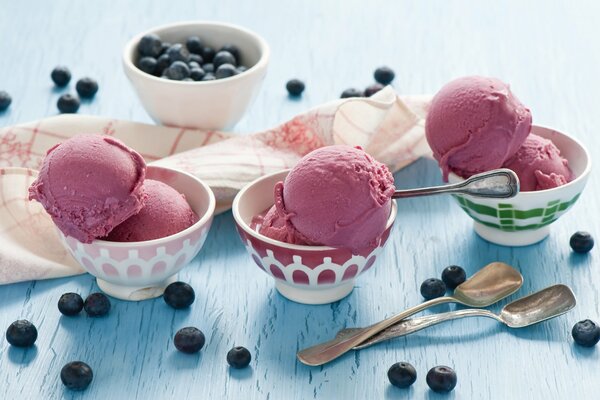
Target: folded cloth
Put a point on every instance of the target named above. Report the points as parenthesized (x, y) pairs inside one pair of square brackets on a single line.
[(389, 127)]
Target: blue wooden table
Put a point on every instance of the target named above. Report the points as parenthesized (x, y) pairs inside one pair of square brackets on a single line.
[(549, 53)]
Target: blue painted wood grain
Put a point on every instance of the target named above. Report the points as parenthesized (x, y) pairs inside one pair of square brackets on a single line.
[(547, 50)]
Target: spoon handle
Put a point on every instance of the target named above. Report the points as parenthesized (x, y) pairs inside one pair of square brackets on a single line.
[(412, 325), (499, 184), (328, 351)]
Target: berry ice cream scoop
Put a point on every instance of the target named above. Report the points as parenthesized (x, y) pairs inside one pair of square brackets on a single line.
[(89, 184)]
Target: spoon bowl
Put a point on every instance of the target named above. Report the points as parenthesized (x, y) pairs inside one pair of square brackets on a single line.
[(490, 284)]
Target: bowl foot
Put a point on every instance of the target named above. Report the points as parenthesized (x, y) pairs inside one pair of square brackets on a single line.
[(135, 293), (518, 238), (322, 295)]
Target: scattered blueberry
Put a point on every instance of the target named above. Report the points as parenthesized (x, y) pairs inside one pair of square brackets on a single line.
[(208, 68), (68, 104), (5, 100), (352, 92), (96, 305), (195, 58), (239, 357), (224, 57), (61, 76), (402, 374), (208, 53), (194, 45), (70, 304), (225, 71), (372, 89), (21, 333), (76, 375), (586, 333), (147, 64), (179, 295), (189, 340), (242, 68), (432, 288), (162, 63), (295, 87), (178, 71), (209, 77), (233, 50), (453, 276), (86, 87), (441, 379), (384, 75), (150, 46), (197, 74), (177, 52), (581, 242)]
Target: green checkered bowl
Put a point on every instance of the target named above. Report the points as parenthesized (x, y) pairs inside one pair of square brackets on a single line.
[(525, 219)]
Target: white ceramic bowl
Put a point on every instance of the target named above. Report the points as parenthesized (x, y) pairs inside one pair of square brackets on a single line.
[(217, 104), (526, 218), (142, 270), (305, 274)]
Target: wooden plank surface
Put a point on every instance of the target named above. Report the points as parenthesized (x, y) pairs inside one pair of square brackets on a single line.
[(547, 50)]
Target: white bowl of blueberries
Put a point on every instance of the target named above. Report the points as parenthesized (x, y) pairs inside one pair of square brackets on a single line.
[(196, 74)]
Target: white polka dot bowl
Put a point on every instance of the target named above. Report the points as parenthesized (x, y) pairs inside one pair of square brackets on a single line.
[(304, 274), (141, 270)]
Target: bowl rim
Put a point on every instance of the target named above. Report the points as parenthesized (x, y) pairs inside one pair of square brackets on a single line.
[(201, 221), (582, 176), (258, 66), (241, 223)]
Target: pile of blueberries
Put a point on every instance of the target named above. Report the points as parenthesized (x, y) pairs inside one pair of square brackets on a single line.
[(192, 61), (77, 375)]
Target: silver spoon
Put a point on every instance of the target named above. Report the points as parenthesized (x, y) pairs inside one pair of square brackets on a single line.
[(490, 284), (537, 307), (499, 184)]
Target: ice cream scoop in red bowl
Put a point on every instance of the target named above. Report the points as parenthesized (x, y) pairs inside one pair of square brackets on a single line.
[(139, 270), (303, 273)]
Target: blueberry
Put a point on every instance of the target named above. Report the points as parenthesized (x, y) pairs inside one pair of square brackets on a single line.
[(208, 53), (76, 375), (208, 68), (96, 305), (178, 53), (68, 104), (441, 379), (86, 87), (193, 64), (194, 45), (372, 89), (225, 71), (61, 76), (352, 92), (209, 77), (147, 64), (5, 100), (384, 75), (224, 57), (402, 374), (453, 276), (178, 71), (150, 46), (189, 340), (179, 295), (581, 242), (197, 74), (21, 333), (432, 288), (586, 333), (241, 68), (165, 47), (239, 357), (70, 304), (187, 80), (195, 58), (233, 50), (162, 64), (295, 87)]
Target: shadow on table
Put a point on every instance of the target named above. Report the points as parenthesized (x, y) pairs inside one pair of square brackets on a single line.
[(241, 374), (22, 356), (179, 360)]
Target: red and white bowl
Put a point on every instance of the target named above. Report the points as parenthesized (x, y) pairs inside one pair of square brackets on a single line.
[(142, 270), (305, 274)]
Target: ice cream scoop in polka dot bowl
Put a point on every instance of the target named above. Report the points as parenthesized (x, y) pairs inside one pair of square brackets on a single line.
[(525, 219), (141, 270), (302, 273)]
